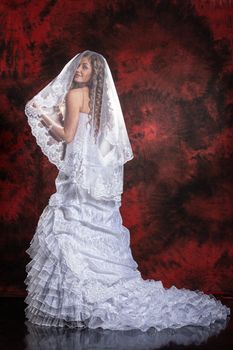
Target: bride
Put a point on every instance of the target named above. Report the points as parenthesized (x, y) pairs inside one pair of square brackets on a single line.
[(82, 272)]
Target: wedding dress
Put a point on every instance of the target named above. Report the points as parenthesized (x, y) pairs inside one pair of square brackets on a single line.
[(82, 270)]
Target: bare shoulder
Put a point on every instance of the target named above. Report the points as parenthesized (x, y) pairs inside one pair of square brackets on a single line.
[(74, 93), (79, 90), (74, 97)]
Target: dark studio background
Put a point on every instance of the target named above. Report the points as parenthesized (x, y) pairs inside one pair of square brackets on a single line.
[(172, 65)]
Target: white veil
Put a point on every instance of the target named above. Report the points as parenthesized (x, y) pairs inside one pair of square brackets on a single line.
[(97, 167)]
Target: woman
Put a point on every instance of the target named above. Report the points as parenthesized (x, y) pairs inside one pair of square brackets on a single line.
[(82, 273)]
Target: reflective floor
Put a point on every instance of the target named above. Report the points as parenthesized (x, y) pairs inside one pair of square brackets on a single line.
[(18, 334)]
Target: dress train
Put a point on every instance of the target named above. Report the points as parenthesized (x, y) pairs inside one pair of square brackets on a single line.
[(82, 272)]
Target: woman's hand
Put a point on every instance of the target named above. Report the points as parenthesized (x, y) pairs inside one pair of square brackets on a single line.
[(59, 113), (41, 115), (57, 109), (38, 109)]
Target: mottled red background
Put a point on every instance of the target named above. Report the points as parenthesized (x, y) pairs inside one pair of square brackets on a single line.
[(172, 64)]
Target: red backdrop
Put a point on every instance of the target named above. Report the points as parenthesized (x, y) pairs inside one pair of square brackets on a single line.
[(172, 64)]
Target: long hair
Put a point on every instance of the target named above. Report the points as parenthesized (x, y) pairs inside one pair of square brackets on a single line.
[(95, 85)]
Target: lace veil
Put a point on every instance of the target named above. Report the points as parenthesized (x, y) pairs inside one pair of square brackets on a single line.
[(95, 164)]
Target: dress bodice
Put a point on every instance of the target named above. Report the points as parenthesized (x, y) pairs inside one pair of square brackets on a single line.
[(81, 141), (90, 162), (84, 141)]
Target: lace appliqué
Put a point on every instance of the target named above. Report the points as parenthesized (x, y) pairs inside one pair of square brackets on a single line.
[(101, 176), (50, 147)]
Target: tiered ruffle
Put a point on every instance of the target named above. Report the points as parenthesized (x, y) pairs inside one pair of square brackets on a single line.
[(82, 274)]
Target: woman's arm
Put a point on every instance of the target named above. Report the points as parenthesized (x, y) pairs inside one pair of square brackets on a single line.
[(74, 103), (54, 127), (74, 99)]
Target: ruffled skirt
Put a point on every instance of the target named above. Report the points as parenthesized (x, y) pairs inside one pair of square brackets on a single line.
[(82, 272)]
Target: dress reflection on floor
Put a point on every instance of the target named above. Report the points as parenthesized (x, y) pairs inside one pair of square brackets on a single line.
[(47, 338)]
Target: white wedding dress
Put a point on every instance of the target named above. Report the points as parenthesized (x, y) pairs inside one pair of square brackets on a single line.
[(82, 272)]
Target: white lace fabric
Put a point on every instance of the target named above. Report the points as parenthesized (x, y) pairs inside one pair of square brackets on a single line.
[(105, 158), (51, 147), (82, 272), (86, 165)]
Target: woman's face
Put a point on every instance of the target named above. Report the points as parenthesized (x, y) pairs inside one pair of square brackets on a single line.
[(83, 71)]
